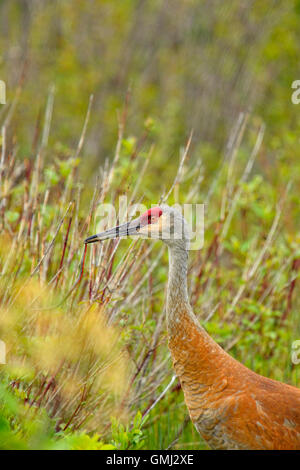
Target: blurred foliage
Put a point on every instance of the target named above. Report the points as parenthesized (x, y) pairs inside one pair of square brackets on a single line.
[(189, 65), (87, 357)]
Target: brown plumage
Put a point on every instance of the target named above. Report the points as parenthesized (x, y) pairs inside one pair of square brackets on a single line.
[(231, 406)]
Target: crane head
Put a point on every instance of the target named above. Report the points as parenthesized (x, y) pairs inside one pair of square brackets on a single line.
[(161, 222)]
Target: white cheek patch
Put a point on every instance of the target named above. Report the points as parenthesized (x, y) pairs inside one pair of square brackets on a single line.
[(165, 227), (149, 231)]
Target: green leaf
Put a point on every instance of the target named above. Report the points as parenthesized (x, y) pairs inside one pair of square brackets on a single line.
[(12, 216)]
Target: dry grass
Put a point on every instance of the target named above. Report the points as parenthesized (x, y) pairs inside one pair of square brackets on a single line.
[(85, 328)]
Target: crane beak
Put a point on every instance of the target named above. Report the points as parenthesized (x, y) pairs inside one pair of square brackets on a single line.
[(124, 230)]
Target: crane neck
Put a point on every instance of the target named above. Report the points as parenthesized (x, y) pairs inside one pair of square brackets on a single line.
[(178, 265), (201, 365), (177, 295)]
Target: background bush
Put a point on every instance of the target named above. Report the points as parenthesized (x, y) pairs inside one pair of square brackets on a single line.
[(102, 98)]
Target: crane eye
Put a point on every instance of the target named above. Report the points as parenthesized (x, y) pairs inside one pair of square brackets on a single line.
[(151, 219), (151, 216)]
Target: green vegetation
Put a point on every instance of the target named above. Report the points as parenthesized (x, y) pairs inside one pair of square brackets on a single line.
[(102, 99)]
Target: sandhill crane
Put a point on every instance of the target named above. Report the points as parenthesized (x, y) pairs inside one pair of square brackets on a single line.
[(231, 406)]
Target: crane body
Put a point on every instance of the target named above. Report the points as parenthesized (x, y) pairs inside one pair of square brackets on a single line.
[(231, 406)]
